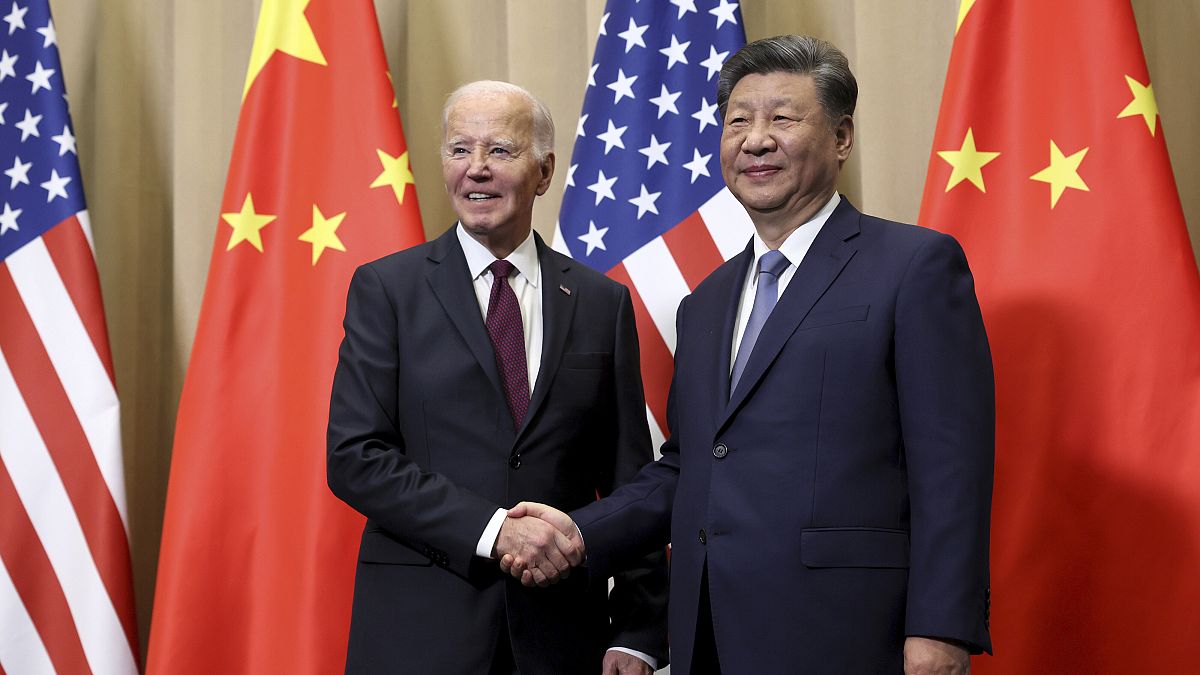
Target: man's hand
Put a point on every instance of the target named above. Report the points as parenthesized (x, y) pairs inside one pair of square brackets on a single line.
[(527, 568), (540, 549), (621, 663), (927, 656)]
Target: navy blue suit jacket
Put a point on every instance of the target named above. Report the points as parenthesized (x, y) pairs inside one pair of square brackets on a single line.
[(421, 441), (840, 496)]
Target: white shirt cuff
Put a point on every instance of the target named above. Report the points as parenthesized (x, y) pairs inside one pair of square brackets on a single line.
[(650, 660), (487, 541)]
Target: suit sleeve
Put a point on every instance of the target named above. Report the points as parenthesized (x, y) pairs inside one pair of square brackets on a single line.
[(366, 462), (638, 601), (636, 518), (947, 415)]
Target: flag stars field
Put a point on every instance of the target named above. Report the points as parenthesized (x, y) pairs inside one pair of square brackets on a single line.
[(968, 162), (397, 174), (323, 233), (594, 237), (247, 225), (16, 18), (1062, 173), (282, 27), (1143, 104), (8, 219)]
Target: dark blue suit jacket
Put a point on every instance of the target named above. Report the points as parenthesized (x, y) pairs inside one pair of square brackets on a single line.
[(421, 441), (841, 495)]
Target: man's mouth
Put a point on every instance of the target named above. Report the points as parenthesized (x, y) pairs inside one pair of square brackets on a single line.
[(480, 196), (760, 170)]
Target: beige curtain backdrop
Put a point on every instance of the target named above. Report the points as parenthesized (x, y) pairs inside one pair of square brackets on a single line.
[(155, 87)]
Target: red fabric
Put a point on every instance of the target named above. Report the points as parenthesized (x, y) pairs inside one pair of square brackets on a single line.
[(257, 562), (1093, 312)]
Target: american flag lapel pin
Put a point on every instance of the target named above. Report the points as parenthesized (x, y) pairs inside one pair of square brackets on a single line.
[(564, 289)]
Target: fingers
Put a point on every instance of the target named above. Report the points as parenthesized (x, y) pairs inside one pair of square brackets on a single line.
[(531, 545), (561, 521), (519, 511)]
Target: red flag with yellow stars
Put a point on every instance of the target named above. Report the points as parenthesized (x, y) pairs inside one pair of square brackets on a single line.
[(1049, 166), (257, 562)]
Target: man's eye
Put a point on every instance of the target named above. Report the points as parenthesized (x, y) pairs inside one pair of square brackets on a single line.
[(500, 151)]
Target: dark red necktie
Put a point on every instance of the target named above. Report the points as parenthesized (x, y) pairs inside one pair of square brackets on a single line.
[(508, 339)]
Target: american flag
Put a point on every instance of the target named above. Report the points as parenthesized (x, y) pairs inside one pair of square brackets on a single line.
[(66, 594), (645, 202)]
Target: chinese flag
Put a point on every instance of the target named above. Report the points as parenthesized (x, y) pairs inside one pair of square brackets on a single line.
[(1049, 166), (258, 557)]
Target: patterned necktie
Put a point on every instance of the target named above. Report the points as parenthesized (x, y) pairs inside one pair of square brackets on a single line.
[(508, 339), (770, 266)]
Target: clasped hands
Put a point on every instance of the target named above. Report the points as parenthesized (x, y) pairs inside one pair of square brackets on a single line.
[(538, 544)]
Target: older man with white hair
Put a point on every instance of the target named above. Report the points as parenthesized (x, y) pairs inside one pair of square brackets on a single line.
[(479, 370)]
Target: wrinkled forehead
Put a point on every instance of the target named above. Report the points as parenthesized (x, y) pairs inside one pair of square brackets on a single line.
[(490, 117)]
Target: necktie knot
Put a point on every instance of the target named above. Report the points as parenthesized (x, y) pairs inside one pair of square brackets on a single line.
[(501, 269), (773, 263)]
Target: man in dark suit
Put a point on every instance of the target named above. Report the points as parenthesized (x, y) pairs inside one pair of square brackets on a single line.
[(478, 370), (827, 483)]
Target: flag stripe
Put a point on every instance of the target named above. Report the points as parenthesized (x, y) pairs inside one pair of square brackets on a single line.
[(38, 633), (693, 249), (656, 356), (727, 222), (38, 487), (55, 435), (72, 255), (658, 280), (75, 360)]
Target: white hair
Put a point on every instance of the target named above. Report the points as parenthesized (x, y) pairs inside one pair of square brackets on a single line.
[(543, 124)]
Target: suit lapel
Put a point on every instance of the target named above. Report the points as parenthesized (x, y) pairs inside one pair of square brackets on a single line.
[(824, 261), (558, 308), (451, 283), (728, 292)]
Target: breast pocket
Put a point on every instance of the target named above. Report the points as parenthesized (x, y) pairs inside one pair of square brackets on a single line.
[(587, 361), (831, 317)]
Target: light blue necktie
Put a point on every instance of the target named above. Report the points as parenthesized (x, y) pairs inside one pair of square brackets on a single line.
[(770, 266)]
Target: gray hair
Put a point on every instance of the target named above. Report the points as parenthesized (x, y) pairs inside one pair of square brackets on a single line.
[(543, 123), (837, 90)]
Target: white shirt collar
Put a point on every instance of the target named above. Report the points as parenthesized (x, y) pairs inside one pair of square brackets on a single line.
[(797, 243), (524, 257)]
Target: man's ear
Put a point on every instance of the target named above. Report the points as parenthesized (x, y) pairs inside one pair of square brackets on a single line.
[(843, 133), (547, 173)]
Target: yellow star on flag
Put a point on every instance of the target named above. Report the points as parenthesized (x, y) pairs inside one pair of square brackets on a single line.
[(1143, 103), (1062, 173), (323, 234), (968, 162), (282, 27), (395, 101), (396, 173), (247, 225), (963, 8)]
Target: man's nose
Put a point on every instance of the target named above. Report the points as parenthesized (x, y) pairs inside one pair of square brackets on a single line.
[(477, 168), (759, 139)]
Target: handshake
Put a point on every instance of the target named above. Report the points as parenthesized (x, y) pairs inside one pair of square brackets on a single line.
[(538, 544)]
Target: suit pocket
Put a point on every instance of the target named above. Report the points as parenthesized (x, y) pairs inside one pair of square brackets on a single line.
[(378, 546), (854, 547), (830, 317), (587, 360)]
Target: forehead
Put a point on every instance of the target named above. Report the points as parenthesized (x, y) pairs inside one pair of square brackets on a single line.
[(490, 115), (773, 89)]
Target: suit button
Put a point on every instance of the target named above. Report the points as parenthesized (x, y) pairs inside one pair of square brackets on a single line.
[(720, 450), (703, 537), (515, 461)]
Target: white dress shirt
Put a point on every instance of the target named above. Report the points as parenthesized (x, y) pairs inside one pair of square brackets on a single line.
[(794, 248), (525, 284)]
